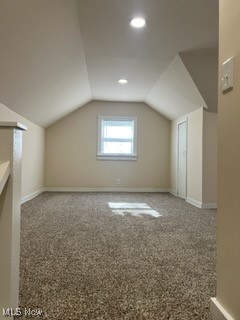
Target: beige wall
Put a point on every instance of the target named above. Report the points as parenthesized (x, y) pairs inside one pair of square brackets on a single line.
[(71, 146), (228, 217), (33, 152), (209, 157), (201, 157)]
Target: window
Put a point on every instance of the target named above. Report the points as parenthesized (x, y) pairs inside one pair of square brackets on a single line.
[(117, 138)]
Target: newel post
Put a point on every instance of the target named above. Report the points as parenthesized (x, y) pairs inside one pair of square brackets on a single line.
[(10, 202)]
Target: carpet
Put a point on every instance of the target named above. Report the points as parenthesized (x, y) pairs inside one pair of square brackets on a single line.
[(112, 256)]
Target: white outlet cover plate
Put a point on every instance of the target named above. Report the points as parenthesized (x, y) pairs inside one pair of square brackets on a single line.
[(227, 74)]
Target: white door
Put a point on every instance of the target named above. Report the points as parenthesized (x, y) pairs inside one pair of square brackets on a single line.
[(182, 160)]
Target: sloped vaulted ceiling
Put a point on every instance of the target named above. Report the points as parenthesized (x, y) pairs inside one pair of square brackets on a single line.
[(43, 74), (56, 55), (175, 93)]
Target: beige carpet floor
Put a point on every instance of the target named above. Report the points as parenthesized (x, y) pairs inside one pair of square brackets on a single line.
[(82, 260)]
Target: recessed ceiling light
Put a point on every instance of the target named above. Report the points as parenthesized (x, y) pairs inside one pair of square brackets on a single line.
[(138, 22), (123, 81)]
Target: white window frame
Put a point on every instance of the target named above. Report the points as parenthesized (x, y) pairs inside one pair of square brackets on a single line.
[(114, 156)]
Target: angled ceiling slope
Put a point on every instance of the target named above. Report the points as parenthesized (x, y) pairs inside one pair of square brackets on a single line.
[(175, 94), (202, 64), (58, 55), (43, 74)]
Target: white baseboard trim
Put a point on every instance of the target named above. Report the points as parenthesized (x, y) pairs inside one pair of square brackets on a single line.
[(209, 206), (194, 202), (63, 189), (201, 205), (32, 195), (218, 312), (173, 192)]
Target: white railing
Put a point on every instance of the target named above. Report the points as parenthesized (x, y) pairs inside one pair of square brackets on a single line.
[(4, 174)]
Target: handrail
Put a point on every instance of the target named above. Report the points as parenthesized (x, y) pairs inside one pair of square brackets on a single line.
[(4, 174)]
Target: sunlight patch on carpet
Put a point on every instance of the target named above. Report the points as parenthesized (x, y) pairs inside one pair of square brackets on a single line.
[(133, 208)]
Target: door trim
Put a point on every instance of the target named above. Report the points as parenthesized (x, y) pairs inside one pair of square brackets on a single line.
[(177, 147)]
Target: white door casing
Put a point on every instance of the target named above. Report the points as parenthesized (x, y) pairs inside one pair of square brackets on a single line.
[(182, 160)]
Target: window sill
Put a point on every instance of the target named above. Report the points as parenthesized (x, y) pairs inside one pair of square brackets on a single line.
[(121, 158)]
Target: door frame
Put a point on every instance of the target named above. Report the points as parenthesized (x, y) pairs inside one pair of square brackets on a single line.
[(177, 164)]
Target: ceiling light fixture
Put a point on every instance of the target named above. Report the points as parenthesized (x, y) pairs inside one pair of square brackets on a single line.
[(138, 22), (123, 81)]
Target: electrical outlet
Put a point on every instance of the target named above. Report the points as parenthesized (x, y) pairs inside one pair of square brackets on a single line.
[(118, 181)]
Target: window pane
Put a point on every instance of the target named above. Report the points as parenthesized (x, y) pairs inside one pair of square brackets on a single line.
[(117, 147), (117, 136), (117, 132), (117, 129)]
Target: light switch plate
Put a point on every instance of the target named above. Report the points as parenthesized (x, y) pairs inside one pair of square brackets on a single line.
[(227, 74)]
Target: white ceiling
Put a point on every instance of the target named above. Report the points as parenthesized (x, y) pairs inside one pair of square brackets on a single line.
[(175, 93), (57, 55)]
